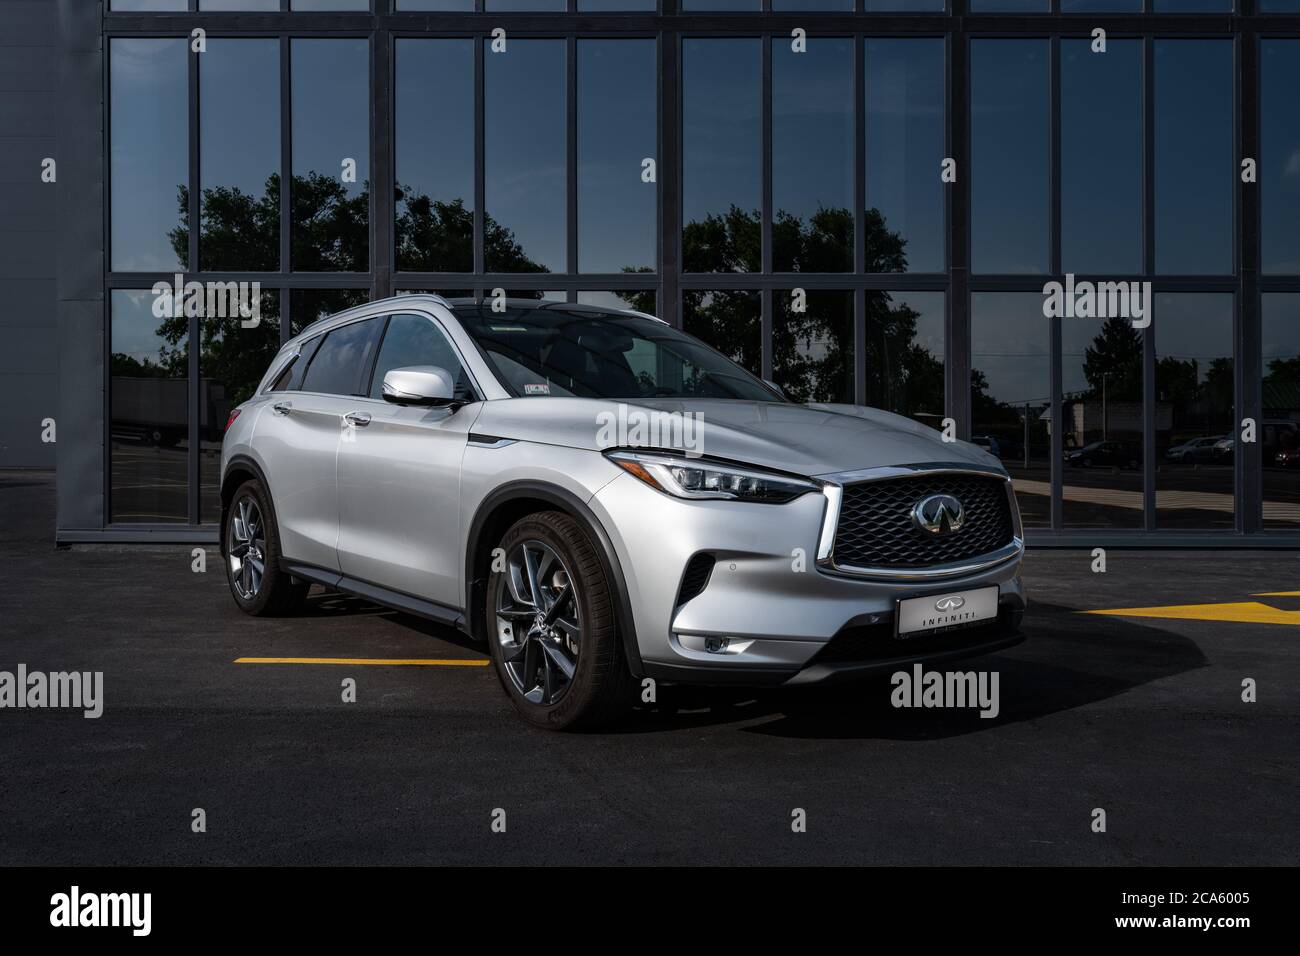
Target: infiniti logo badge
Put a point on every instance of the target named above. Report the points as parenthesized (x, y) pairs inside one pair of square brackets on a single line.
[(938, 514), (950, 603)]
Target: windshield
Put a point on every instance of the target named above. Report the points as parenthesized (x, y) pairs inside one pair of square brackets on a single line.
[(589, 353)]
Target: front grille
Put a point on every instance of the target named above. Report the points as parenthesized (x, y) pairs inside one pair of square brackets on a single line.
[(876, 531)]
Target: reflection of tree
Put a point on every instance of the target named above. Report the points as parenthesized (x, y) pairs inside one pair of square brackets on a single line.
[(813, 350), (1202, 403), (437, 236), (1113, 363)]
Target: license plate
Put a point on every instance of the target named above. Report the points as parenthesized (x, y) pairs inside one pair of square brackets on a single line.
[(945, 611)]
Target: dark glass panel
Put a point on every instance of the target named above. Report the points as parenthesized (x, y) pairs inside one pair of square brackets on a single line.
[(1010, 389), (1280, 405), (1194, 402), (905, 149), (149, 411), (1194, 156), (435, 165), (617, 119), (1009, 156), (1101, 157), (340, 364), (308, 305), (1279, 162), (905, 354), (149, 163), (524, 103), (331, 126), (812, 350), (239, 155), (1101, 423), (730, 322), (812, 156), (640, 300), (722, 192)]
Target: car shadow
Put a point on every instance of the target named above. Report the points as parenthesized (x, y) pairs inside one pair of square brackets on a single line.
[(324, 603), (1069, 660)]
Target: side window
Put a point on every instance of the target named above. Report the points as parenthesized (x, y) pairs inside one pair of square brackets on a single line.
[(282, 381), (416, 340), (343, 359)]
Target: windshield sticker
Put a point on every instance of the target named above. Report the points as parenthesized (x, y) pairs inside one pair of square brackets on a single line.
[(542, 389)]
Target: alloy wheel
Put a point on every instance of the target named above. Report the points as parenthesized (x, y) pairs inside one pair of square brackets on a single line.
[(538, 622), (247, 549)]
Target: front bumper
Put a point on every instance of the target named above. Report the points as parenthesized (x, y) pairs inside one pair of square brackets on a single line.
[(783, 618)]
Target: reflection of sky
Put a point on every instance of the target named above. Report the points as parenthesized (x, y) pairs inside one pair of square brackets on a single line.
[(905, 143), (812, 127), (135, 327), (1281, 326), (239, 112), (616, 131), (721, 130), (1194, 326), (149, 154), (1194, 156), (1010, 344), (434, 109), (1101, 157), (524, 94), (1009, 87), (1279, 165), (607, 300), (331, 108), (929, 320)]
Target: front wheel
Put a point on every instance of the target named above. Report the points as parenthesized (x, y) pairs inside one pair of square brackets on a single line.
[(551, 625)]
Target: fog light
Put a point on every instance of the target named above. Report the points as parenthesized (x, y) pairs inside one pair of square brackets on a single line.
[(716, 645)]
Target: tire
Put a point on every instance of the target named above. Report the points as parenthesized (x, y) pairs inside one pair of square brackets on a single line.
[(273, 591), (570, 674)]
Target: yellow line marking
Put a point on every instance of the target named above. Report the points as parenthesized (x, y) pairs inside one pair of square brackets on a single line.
[(1277, 594), (1243, 612), (378, 661)]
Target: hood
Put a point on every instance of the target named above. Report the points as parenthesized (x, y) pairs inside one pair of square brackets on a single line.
[(801, 439)]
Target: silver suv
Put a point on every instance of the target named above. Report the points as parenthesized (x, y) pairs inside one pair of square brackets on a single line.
[(602, 499)]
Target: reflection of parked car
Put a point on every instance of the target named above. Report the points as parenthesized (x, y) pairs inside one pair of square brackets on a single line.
[(1115, 454), (988, 443), (1197, 449), (1287, 458), (1000, 446), (1280, 438), (1223, 448)]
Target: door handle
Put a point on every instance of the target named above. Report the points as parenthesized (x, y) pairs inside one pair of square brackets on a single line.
[(360, 419), (282, 408)]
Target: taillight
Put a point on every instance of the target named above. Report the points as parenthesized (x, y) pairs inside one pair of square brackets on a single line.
[(231, 420)]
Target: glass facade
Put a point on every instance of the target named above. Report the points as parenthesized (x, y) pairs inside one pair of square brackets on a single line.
[(871, 209)]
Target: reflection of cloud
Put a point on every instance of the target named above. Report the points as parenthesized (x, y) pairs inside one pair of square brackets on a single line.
[(1292, 167)]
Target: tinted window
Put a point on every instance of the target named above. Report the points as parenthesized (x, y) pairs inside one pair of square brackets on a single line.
[(435, 171), (1101, 176), (812, 156), (415, 340), (905, 354), (1009, 87), (331, 155), (1280, 403), (904, 149), (722, 151), (1194, 162), (812, 344), (342, 358), (1279, 166), (616, 134), (239, 204), (524, 161), (150, 158)]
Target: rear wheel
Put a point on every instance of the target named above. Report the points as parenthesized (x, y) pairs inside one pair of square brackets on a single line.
[(551, 626), (251, 548)]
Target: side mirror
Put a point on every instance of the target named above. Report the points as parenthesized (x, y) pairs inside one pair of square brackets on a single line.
[(419, 385)]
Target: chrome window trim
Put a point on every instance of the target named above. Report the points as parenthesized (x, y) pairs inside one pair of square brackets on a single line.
[(833, 491)]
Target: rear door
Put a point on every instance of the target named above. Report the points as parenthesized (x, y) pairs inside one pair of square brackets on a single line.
[(298, 439), (399, 472)]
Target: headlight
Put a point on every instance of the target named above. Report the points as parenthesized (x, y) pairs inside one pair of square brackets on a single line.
[(699, 478)]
